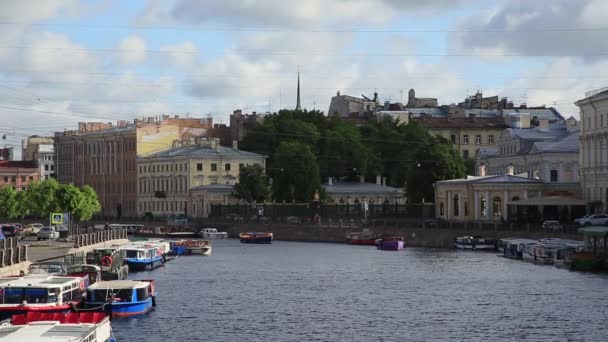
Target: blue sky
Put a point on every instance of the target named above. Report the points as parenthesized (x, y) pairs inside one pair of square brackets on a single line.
[(64, 61)]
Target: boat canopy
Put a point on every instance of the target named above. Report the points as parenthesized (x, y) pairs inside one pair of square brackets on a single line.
[(47, 332), (119, 285), (38, 281)]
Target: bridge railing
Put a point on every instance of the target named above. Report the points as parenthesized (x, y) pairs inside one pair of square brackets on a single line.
[(87, 239)]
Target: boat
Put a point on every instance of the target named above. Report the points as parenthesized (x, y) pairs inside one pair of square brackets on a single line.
[(256, 237), (390, 243), (211, 233), (163, 245), (514, 248), (586, 261), (111, 262), (364, 237), (41, 293), (91, 273), (140, 258), (545, 250), (181, 235), (475, 243), (57, 327), (121, 298), (191, 247)]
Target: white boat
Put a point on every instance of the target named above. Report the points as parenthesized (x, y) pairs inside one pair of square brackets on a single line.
[(212, 233), (163, 245), (475, 243), (59, 327), (192, 247)]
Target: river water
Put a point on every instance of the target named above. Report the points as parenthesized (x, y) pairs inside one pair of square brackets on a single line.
[(291, 291)]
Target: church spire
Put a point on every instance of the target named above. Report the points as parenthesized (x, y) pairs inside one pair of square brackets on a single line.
[(298, 107)]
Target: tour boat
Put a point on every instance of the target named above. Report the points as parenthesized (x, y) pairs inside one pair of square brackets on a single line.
[(364, 237), (57, 327), (255, 237), (390, 243), (190, 247), (163, 245), (546, 251), (212, 233), (140, 258), (91, 273), (111, 262), (39, 293), (122, 298), (475, 243), (514, 248)]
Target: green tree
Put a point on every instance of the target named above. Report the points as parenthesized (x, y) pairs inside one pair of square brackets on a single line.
[(70, 199), (89, 205), (252, 185), (295, 173), (342, 152), (8, 202), (43, 197)]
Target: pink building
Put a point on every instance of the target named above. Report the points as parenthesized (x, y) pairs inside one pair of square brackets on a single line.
[(17, 173)]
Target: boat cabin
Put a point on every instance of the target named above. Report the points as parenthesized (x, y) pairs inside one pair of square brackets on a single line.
[(71, 327), (141, 252), (122, 291)]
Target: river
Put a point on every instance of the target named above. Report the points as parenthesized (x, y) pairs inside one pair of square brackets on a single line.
[(291, 291)]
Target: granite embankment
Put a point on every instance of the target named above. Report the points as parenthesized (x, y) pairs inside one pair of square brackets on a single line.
[(415, 236)]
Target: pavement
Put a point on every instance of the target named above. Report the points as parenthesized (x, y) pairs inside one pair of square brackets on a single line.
[(45, 249)]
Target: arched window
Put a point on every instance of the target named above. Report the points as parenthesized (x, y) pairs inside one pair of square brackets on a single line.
[(456, 205), (497, 207), (441, 209), (483, 206)]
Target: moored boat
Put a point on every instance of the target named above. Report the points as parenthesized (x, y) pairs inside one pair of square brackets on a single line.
[(140, 258), (256, 237), (111, 262), (364, 237), (191, 247), (57, 327), (475, 243), (39, 293), (212, 233), (514, 248), (122, 298), (390, 243)]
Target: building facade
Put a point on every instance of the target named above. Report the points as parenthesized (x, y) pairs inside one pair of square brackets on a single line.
[(40, 149), (363, 192), (18, 174), (189, 177), (594, 148), (6, 153), (104, 156)]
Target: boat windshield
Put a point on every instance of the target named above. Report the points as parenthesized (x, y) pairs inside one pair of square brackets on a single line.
[(18, 295), (132, 254), (123, 295), (46, 268)]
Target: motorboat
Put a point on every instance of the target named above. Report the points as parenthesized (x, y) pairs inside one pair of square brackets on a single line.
[(121, 298), (57, 327), (140, 258), (40, 293), (514, 248), (191, 247), (364, 237), (212, 233), (111, 262), (256, 237), (390, 243), (475, 243)]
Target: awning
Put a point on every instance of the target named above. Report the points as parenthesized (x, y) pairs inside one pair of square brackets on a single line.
[(550, 200)]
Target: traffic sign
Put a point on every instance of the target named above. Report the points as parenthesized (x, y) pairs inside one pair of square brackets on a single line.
[(56, 218)]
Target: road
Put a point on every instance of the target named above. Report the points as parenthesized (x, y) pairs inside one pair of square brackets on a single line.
[(44, 250)]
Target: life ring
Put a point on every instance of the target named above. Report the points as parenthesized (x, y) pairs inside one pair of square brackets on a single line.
[(106, 261)]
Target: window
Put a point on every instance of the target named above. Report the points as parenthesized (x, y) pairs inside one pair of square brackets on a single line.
[(465, 154), (214, 167), (5, 179), (456, 209), (465, 139), (199, 166), (478, 139), (31, 178), (490, 139), (227, 167), (441, 209), (497, 207), (553, 176), (23, 178), (453, 138), (466, 209), (483, 206), (46, 167)]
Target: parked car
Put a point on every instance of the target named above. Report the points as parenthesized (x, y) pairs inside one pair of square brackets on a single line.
[(434, 222), (293, 219), (33, 229), (551, 226), (46, 233), (595, 220), (259, 219), (11, 230), (233, 217)]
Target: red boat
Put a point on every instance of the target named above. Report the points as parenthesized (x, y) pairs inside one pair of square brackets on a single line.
[(364, 237)]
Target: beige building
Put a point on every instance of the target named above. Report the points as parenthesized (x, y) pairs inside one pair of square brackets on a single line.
[(594, 148), (363, 192), (41, 150), (190, 177), (468, 135)]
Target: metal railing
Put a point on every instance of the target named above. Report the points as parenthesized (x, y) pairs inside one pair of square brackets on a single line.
[(82, 240), (11, 253)]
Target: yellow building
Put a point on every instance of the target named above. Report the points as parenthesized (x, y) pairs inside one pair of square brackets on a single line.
[(468, 135), (166, 179)]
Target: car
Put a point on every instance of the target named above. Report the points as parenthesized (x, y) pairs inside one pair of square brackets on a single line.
[(578, 220), (46, 233), (293, 219), (259, 219), (595, 220), (33, 228), (434, 222), (233, 217), (553, 226), (11, 230)]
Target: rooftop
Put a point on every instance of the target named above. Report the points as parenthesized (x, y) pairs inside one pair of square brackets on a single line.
[(502, 179), (569, 143), (118, 285), (202, 151), (46, 331), (358, 187), (555, 131), (37, 280), (18, 164), (494, 122)]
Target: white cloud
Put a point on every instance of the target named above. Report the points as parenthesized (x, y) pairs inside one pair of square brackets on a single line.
[(132, 50), (181, 55)]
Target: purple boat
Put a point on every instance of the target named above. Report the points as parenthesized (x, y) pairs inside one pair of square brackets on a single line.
[(391, 243)]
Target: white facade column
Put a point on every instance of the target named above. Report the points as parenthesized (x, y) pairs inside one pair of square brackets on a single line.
[(488, 206), (525, 194), (476, 206), (448, 214), (460, 210), (505, 213)]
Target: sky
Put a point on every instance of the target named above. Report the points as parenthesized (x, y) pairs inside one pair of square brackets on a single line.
[(65, 61)]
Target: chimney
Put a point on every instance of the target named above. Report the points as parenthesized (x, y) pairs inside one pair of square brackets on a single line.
[(543, 125), (378, 180), (482, 170), (235, 145), (510, 170), (330, 181)]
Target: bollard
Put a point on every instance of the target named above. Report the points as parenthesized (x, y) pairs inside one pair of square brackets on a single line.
[(9, 252), (3, 244), (2, 252), (25, 248)]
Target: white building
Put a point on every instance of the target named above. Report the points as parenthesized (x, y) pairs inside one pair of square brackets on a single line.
[(594, 147), (41, 150)]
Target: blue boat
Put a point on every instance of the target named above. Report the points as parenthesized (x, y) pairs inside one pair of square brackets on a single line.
[(121, 298), (140, 258), (256, 237)]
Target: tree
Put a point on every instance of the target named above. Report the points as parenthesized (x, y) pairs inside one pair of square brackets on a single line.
[(70, 199), (42, 197), (295, 173), (252, 185), (8, 202), (89, 206)]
